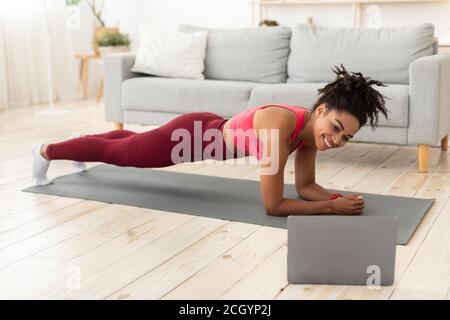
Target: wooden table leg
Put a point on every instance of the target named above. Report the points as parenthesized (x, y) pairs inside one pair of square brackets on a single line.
[(84, 78), (81, 68), (100, 91)]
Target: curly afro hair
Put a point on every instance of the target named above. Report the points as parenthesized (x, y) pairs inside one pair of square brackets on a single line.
[(353, 93)]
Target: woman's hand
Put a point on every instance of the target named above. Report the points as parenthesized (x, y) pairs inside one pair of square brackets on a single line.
[(350, 204)]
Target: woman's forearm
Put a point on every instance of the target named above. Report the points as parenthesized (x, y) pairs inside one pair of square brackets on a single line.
[(314, 192), (299, 207)]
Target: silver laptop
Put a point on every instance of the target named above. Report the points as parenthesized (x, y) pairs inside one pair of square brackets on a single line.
[(348, 250)]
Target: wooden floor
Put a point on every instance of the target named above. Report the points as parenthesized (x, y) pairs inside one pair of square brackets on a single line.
[(57, 248)]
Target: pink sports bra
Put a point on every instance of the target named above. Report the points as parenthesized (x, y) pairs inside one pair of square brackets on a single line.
[(244, 121)]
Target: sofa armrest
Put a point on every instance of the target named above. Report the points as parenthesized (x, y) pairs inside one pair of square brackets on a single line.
[(117, 68), (429, 91)]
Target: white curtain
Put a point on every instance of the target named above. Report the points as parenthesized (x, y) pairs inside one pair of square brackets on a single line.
[(25, 29), (3, 70)]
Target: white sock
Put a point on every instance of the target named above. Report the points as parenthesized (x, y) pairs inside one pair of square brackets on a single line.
[(77, 165), (40, 166)]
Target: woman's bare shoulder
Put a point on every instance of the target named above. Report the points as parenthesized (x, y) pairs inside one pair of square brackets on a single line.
[(274, 117)]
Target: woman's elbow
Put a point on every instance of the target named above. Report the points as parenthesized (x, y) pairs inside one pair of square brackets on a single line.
[(272, 209)]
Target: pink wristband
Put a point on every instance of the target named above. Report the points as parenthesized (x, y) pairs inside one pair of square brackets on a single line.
[(335, 196)]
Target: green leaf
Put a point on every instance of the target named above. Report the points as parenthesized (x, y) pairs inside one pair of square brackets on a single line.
[(112, 39), (72, 2)]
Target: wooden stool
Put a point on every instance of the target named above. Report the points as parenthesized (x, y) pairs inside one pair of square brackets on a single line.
[(84, 74)]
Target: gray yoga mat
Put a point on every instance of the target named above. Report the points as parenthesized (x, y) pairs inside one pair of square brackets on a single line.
[(215, 197)]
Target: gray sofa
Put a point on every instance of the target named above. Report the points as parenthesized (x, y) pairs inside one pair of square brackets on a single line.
[(249, 67)]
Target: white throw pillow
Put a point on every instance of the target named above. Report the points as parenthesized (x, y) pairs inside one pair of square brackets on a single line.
[(171, 54)]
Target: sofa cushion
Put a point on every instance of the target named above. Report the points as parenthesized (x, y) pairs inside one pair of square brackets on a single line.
[(171, 54), (252, 54), (383, 54), (305, 95), (182, 95)]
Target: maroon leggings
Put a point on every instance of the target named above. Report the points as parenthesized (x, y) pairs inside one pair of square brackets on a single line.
[(148, 149)]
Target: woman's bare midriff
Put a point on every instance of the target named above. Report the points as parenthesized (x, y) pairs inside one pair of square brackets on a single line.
[(229, 142)]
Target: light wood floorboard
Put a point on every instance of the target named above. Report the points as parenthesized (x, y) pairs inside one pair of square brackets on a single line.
[(61, 248)]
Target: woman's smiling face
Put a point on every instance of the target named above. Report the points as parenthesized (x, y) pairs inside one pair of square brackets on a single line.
[(333, 129)]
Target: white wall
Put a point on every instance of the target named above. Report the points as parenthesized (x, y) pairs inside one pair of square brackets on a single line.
[(167, 14), (213, 13), (164, 15)]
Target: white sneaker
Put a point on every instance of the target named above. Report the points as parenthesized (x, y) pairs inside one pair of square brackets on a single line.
[(40, 166), (77, 165)]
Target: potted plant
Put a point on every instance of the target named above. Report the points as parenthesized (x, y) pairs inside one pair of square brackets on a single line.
[(111, 42), (100, 27)]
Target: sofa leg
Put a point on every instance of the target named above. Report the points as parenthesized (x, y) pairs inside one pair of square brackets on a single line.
[(444, 143), (118, 126), (424, 156)]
